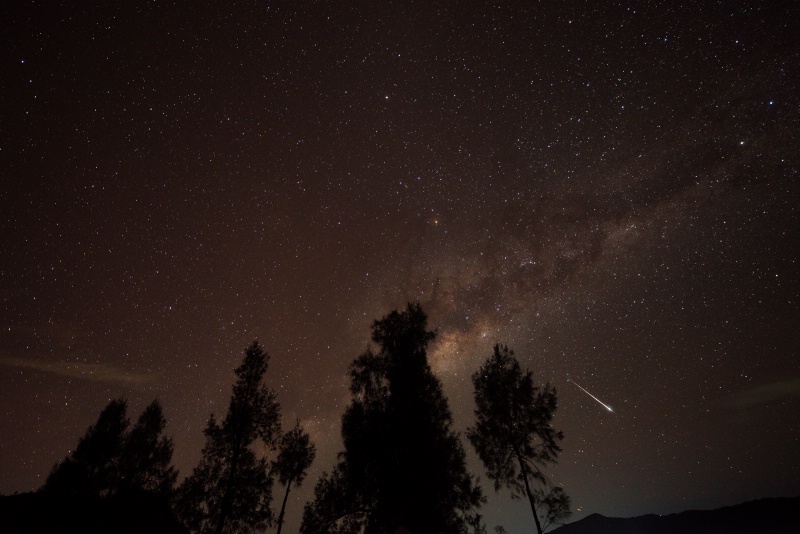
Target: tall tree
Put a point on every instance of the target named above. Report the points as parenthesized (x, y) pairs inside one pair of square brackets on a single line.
[(146, 456), (231, 488), (514, 436), (296, 455), (403, 465)]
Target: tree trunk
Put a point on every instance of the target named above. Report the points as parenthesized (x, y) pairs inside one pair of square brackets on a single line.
[(530, 494), (283, 507), (227, 497)]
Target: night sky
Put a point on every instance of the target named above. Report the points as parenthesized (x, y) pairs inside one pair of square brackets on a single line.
[(611, 189)]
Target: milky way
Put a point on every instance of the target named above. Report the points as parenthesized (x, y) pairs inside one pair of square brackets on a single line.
[(611, 190)]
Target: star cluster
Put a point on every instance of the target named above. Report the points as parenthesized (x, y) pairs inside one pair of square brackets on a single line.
[(609, 188)]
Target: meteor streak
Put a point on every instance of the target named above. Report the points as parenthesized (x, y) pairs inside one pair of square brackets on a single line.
[(606, 406)]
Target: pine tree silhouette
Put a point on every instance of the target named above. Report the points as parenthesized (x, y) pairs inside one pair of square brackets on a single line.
[(109, 459), (92, 469), (145, 460)]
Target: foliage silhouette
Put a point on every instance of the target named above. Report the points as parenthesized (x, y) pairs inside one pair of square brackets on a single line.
[(402, 464), (514, 437), (231, 488), (295, 457), (146, 454), (109, 460), (92, 468), (338, 507)]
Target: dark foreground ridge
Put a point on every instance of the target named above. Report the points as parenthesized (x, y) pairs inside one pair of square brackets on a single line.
[(131, 513), (764, 516)]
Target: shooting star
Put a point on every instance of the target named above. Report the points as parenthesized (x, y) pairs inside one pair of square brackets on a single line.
[(606, 406)]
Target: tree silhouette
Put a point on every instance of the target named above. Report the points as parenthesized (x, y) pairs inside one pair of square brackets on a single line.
[(147, 454), (92, 468), (514, 437), (338, 507), (109, 460), (231, 488), (403, 465), (296, 456)]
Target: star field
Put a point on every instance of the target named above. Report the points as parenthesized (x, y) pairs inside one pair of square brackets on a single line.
[(609, 188)]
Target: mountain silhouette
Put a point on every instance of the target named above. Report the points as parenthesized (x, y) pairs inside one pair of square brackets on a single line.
[(765, 516)]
